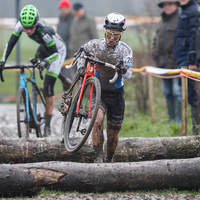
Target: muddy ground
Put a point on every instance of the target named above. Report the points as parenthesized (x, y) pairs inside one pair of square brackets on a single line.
[(8, 121), (114, 196), (8, 128)]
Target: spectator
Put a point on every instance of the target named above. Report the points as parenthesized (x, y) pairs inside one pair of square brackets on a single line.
[(184, 44), (82, 30), (63, 29), (163, 56)]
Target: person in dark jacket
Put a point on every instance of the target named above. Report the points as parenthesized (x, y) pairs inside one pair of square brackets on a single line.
[(184, 45), (63, 29), (164, 58), (83, 29)]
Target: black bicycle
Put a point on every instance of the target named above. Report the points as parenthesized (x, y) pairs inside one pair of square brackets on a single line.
[(30, 108)]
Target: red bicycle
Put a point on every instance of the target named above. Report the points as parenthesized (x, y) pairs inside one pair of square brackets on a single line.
[(80, 103)]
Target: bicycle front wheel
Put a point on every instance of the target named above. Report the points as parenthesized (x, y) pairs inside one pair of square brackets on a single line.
[(40, 111), (79, 125), (22, 119)]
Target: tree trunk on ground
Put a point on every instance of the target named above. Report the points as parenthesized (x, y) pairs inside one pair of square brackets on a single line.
[(128, 150), (27, 179)]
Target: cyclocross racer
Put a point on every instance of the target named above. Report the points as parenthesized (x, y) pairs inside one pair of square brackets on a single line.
[(111, 50), (51, 47)]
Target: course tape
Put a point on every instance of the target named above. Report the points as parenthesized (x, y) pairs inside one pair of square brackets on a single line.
[(161, 73), (156, 70)]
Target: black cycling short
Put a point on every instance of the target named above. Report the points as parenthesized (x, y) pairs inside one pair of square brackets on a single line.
[(49, 82), (113, 104)]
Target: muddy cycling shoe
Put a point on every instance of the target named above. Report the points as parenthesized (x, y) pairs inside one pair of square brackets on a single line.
[(99, 159), (47, 132)]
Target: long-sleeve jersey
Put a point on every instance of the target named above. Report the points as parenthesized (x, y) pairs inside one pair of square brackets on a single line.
[(44, 35), (102, 52)]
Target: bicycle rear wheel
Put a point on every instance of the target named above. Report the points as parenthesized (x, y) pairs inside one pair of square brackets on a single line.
[(79, 125), (22, 119)]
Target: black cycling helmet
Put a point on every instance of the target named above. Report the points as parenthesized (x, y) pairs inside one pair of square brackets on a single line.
[(115, 21)]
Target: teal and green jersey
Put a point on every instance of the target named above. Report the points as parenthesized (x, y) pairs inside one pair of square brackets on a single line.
[(43, 35)]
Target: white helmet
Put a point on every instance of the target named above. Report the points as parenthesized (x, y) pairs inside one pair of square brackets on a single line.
[(115, 21)]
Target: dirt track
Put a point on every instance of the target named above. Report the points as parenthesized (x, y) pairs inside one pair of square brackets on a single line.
[(116, 196)]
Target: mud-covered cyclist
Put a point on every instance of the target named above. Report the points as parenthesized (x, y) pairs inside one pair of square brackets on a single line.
[(52, 49), (111, 50)]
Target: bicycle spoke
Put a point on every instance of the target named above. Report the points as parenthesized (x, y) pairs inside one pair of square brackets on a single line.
[(79, 125)]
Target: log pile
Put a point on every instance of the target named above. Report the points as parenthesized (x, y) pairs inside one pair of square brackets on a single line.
[(170, 162), (27, 179), (128, 150)]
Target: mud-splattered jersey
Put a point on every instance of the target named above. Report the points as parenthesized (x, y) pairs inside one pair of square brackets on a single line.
[(103, 52), (44, 35)]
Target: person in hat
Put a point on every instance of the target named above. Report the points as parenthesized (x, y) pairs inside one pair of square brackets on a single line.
[(164, 58), (63, 29), (82, 30), (184, 45)]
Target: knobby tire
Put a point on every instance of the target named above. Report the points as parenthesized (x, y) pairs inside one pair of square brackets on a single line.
[(22, 120), (72, 116), (40, 110)]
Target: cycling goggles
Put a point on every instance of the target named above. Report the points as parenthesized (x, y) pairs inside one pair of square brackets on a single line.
[(29, 28), (115, 35)]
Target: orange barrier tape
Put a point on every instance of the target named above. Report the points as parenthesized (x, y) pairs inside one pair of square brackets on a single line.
[(174, 72), (138, 69)]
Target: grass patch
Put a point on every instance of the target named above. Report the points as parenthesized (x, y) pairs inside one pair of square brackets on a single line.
[(146, 191)]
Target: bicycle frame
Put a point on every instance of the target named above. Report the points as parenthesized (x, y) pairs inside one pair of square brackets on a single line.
[(24, 86)]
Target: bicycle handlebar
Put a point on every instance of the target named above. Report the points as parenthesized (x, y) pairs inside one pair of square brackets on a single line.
[(22, 67), (93, 60)]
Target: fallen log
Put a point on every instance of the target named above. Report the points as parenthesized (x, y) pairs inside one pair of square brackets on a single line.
[(128, 150), (28, 179)]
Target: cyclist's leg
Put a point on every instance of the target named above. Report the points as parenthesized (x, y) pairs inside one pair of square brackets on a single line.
[(97, 133), (49, 82), (66, 82), (115, 116), (97, 136), (66, 76)]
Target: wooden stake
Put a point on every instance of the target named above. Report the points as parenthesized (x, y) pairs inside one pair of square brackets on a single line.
[(151, 98), (184, 85)]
